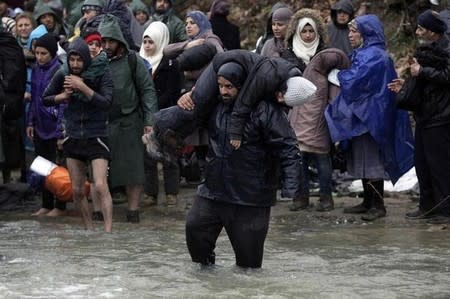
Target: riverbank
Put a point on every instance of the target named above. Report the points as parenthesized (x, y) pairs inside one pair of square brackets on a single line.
[(397, 204)]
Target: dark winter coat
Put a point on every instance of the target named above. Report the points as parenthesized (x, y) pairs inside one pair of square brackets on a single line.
[(167, 82), (175, 25), (227, 32), (86, 118), (428, 94), (256, 88), (337, 33), (246, 176)]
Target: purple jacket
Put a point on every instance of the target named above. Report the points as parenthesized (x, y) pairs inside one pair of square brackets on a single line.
[(46, 121)]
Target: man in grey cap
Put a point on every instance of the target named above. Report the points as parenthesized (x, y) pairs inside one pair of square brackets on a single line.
[(239, 187)]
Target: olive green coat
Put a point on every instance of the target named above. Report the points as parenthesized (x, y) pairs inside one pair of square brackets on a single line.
[(133, 106)]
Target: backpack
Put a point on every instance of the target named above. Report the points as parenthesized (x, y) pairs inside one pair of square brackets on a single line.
[(13, 77)]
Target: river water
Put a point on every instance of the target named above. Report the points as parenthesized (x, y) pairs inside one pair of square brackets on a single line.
[(55, 258)]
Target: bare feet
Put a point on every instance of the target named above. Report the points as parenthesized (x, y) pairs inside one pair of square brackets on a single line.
[(56, 213), (41, 212)]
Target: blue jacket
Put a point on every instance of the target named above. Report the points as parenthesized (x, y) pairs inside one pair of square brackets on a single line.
[(246, 176), (365, 105)]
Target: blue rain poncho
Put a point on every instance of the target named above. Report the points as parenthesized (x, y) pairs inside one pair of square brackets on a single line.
[(365, 105)]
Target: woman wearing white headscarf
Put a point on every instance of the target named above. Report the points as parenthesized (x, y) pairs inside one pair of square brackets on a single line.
[(166, 78), (305, 37)]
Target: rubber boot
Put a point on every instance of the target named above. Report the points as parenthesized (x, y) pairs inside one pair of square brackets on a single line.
[(325, 203), (299, 203), (377, 208), (365, 205)]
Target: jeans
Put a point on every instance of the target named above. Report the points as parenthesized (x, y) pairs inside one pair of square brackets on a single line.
[(324, 168)]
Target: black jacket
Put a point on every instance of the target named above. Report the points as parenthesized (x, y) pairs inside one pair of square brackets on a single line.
[(227, 32), (85, 118), (265, 76), (246, 176), (428, 94), (167, 82)]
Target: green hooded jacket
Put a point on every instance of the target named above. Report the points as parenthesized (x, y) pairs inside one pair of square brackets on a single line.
[(176, 26), (129, 96)]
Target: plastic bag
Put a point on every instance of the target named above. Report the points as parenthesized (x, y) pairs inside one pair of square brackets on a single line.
[(58, 183)]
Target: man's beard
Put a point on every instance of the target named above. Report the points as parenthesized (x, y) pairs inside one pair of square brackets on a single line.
[(161, 11), (227, 99), (76, 72)]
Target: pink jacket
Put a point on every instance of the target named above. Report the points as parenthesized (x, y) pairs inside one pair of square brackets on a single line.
[(308, 120)]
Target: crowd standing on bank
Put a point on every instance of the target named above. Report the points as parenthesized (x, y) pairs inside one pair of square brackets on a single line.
[(90, 86)]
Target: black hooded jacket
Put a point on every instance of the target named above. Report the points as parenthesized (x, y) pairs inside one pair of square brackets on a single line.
[(85, 117)]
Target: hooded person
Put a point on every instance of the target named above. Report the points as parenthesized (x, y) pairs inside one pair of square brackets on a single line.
[(365, 115), (306, 36), (140, 12), (268, 32), (85, 86), (341, 14), (52, 21), (227, 32), (280, 21), (89, 9), (161, 10), (131, 115)]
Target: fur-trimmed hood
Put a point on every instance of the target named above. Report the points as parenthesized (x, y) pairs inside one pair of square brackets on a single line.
[(306, 13)]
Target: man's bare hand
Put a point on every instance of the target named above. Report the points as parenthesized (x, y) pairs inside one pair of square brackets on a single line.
[(30, 132), (414, 68), (185, 102), (148, 129), (73, 82), (396, 85), (236, 144)]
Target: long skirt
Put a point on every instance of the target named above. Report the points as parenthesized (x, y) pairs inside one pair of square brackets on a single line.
[(365, 160)]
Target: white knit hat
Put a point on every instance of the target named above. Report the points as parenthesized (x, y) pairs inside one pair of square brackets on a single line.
[(299, 91)]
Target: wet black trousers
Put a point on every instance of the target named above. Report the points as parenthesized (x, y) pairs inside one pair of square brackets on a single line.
[(432, 162), (246, 228)]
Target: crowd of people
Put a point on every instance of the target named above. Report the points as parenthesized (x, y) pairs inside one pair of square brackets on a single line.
[(112, 89)]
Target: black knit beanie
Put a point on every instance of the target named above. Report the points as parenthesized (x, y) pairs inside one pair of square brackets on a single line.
[(48, 41), (233, 72), (431, 20)]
